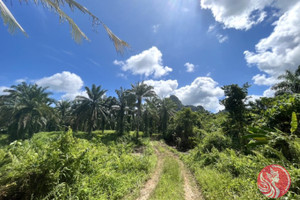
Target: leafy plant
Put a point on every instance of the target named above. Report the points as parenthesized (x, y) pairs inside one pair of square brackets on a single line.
[(280, 141), (61, 166)]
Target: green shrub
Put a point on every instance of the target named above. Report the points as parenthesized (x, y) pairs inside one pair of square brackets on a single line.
[(216, 140)]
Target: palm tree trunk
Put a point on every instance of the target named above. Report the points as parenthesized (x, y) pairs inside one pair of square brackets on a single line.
[(122, 123), (138, 117), (137, 126), (103, 125), (90, 131)]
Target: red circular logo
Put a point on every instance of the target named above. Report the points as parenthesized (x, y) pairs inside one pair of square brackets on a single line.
[(274, 181)]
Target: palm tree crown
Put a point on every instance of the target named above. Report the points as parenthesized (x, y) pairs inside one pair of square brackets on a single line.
[(90, 109), (141, 90), (28, 108), (290, 83), (64, 110), (163, 109)]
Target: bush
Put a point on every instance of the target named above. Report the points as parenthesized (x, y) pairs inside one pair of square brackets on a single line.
[(181, 131), (214, 140)]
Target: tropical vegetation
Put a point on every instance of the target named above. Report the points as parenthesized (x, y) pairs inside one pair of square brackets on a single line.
[(108, 155)]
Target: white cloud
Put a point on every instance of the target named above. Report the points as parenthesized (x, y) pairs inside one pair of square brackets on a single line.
[(121, 75), (211, 28), (237, 14), (202, 91), (147, 63), (71, 96), (280, 51), (163, 88), (285, 5), (267, 93), (214, 30), (261, 79), (222, 38), (65, 82), (155, 28), (189, 67), (21, 80), (2, 88), (117, 62), (252, 98)]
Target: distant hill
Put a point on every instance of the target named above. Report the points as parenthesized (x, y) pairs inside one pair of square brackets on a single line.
[(180, 105), (177, 102)]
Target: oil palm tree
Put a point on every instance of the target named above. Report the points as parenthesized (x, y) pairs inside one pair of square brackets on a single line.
[(91, 108), (163, 109), (63, 108), (27, 109), (290, 83), (56, 6), (140, 90), (154, 118), (122, 107), (110, 120), (167, 109)]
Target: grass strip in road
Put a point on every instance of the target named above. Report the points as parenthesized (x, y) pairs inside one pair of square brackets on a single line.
[(170, 185)]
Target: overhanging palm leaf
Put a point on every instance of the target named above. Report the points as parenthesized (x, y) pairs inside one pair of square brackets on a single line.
[(9, 19), (55, 5)]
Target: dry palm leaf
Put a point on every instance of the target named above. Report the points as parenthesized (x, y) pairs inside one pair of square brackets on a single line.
[(9, 19), (77, 34)]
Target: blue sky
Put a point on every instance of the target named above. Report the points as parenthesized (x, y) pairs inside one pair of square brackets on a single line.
[(189, 48)]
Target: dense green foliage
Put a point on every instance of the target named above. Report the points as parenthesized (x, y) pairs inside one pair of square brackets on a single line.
[(235, 105), (25, 110), (224, 171), (181, 131), (57, 165)]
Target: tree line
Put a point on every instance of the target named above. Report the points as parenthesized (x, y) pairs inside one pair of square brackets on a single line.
[(28, 108)]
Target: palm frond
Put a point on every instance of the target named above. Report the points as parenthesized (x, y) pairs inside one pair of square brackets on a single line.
[(9, 19), (297, 72), (119, 44), (77, 34)]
